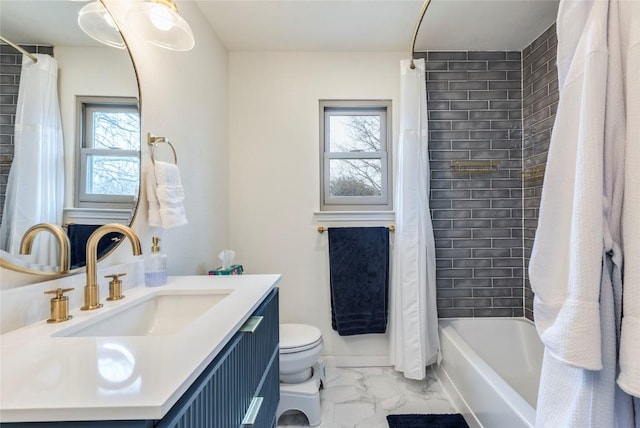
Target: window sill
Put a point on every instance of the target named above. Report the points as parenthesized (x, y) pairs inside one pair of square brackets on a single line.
[(355, 217)]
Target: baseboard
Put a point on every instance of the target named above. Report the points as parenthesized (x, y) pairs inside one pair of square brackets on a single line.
[(357, 361)]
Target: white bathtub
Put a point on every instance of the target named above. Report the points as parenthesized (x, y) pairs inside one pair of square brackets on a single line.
[(491, 369)]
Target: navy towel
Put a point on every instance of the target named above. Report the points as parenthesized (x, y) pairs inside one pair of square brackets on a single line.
[(78, 237), (359, 278)]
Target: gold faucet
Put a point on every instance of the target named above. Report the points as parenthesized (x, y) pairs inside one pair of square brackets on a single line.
[(64, 257), (91, 290)]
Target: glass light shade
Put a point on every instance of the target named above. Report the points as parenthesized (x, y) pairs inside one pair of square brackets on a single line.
[(159, 23), (95, 20)]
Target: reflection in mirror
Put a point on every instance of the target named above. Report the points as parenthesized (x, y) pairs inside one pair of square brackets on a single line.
[(98, 127)]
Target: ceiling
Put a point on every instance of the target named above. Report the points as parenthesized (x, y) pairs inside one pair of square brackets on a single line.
[(321, 25), (377, 25)]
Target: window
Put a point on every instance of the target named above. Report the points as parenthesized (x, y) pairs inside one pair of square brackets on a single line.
[(109, 157), (355, 155)]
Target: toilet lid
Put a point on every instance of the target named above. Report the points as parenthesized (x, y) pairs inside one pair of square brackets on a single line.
[(298, 337)]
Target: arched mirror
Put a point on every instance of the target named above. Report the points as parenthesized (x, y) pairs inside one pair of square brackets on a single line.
[(99, 100)]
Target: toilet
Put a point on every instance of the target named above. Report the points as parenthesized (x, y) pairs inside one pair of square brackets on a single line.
[(301, 370)]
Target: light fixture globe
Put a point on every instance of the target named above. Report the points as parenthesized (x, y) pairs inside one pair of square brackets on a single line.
[(158, 22), (94, 19)]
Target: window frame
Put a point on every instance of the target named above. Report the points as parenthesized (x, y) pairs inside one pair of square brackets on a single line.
[(84, 106), (329, 108)]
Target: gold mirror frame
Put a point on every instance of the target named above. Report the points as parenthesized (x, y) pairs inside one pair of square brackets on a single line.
[(52, 275)]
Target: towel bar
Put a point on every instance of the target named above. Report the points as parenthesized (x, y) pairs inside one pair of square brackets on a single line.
[(322, 229), (153, 141)]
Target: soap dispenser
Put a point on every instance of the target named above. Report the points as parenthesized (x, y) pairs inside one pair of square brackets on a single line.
[(155, 266)]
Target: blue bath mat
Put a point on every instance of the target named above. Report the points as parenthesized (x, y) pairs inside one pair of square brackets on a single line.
[(427, 421)]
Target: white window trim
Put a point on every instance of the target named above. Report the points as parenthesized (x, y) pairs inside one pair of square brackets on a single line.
[(356, 203), (81, 198)]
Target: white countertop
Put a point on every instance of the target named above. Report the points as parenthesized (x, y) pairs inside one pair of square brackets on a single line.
[(46, 378)]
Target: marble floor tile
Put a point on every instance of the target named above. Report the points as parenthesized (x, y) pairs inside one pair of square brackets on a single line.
[(363, 397)]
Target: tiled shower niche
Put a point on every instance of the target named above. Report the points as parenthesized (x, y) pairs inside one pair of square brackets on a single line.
[(484, 221)]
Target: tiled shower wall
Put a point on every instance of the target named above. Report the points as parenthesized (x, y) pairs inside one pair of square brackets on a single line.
[(489, 106), (475, 107), (539, 105), (10, 68)]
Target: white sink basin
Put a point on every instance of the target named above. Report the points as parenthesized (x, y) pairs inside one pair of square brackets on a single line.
[(154, 315)]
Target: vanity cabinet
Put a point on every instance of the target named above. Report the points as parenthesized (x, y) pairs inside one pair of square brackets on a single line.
[(239, 388)]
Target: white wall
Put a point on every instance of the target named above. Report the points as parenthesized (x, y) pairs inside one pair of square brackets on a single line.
[(274, 144), (88, 71), (184, 97)]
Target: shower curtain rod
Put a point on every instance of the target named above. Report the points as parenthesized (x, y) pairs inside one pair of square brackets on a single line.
[(22, 51), (423, 10)]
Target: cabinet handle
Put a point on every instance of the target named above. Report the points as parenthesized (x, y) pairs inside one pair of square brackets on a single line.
[(253, 410), (251, 325)]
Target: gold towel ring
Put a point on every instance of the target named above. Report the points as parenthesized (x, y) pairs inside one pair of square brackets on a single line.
[(153, 141)]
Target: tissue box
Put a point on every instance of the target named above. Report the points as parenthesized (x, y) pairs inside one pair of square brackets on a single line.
[(231, 270)]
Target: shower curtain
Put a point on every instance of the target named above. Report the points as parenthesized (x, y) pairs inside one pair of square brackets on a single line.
[(591, 368), (35, 188), (413, 318)]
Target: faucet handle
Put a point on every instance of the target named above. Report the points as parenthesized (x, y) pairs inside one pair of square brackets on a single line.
[(115, 286), (59, 305)]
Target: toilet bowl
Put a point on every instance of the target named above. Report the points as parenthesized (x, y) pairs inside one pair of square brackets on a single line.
[(301, 371), (300, 349)]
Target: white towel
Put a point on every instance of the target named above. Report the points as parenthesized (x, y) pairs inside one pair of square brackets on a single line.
[(170, 194), (152, 199)]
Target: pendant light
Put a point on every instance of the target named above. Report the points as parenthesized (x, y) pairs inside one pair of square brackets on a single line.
[(158, 22), (96, 21)]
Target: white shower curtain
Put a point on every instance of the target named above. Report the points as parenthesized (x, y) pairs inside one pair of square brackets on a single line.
[(413, 318), (35, 188)]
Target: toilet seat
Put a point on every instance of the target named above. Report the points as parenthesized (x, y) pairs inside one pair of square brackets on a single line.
[(298, 338)]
